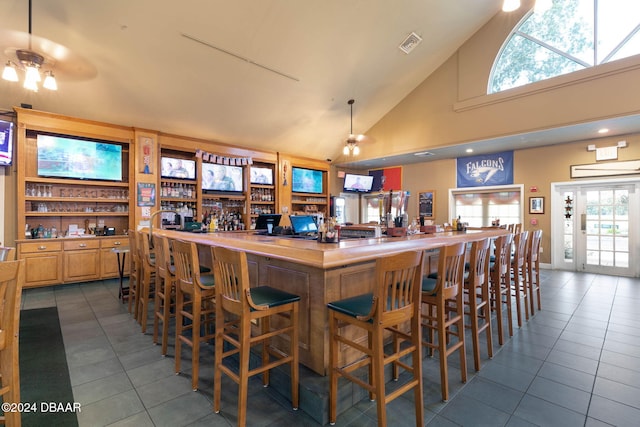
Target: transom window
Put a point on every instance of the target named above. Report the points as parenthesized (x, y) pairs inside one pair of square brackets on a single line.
[(572, 35)]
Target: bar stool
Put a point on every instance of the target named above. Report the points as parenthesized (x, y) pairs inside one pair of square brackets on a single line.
[(238, 307), (7, 253), (443, 295), (533, 268), (134, 273), (476, 286), (147, 278), (519, 275), (165, 290), (11, 280), (196, 301), (394, 302), (501, 283)]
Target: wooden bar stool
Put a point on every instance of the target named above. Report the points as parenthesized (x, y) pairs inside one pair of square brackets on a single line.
[(238, 307), (519, 276), (7, 253), (134, 273), (501, 283), (11, 280), (443, 311), (196, 301), (394, 304), (147, 278), (476, 286), (533, 269), (165, 290)]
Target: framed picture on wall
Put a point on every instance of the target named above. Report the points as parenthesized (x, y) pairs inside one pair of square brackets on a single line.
[(426, 204), (536, 205)]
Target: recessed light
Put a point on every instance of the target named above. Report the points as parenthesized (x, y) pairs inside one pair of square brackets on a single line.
[(603, 130), (469, 150)]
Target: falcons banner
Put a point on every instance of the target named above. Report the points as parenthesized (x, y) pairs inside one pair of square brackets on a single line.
[(485, 170)]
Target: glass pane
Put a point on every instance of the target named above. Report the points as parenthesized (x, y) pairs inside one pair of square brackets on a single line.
[(593, 227), (593, 257), (616, 20), (630, 48), (593, 243), (606, 258), (622, 244), (622, 259), (606, 243), (568, 247)]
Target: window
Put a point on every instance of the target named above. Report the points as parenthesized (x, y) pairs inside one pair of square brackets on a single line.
[(479, 208), (571, 36)]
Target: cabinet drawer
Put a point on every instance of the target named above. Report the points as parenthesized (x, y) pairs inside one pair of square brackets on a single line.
[(76, 245), (119, 242), (40, 246)]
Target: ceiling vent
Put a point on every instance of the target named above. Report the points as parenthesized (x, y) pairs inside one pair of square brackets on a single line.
[(410, 43), (423, 154)]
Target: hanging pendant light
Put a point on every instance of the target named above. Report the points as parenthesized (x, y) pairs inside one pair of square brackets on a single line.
[(351, 144), (510, 5)]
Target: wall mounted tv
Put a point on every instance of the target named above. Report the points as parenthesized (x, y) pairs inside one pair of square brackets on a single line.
[(172, 167), (358, 183), (306, 180), (223, 178), (261, 175), (75, 158), (6, 143)]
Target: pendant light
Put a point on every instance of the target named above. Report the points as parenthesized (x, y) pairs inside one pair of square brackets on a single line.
[(351, 144)]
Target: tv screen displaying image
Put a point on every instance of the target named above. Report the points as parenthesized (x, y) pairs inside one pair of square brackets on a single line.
[(171, 167), (261, 175), (64, 157), (358, 183), (306, 180), (222, 178), (6, 143)]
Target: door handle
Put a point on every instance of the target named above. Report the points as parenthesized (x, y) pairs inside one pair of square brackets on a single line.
[(583, 222)]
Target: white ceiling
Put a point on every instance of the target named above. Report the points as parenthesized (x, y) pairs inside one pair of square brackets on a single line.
[(274, 75)]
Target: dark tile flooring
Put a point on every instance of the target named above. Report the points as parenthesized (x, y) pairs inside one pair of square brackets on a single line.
[(576, 362)]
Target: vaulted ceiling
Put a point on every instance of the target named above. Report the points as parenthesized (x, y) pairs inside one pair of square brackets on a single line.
[(270, 74)]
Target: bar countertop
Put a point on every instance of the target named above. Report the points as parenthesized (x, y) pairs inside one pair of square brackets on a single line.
[(327, 255)]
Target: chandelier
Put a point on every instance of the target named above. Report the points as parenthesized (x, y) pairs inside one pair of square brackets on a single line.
[(351, 144), (31, 63)]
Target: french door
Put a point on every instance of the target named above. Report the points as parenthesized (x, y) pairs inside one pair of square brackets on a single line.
[(599, 227)]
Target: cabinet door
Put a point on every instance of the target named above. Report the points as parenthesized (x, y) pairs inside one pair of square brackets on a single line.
[(109, 264), (81, 265), (42, 269)]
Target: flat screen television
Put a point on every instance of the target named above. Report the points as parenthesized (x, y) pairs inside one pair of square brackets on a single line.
[(6, 143), (172, 167), (303, 224), (75, 158), (261, 175), (223, 178), (306, 181), (358, 183)]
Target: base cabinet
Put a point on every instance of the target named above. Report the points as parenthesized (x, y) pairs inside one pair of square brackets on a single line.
[(58, 261)]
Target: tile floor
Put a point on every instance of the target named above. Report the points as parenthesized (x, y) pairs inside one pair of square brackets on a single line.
[(577, 362)]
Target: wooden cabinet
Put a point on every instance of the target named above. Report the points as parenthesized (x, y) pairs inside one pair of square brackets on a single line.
[(43, 262), (81, 260), (262, 191)]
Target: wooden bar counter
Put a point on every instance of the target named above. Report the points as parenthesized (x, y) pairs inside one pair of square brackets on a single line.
[(318, 272)]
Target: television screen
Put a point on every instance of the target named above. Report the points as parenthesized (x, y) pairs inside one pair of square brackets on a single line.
[(6, 143), (359, 183), (306, 180), (222, 178), (302, 224), (171, 167), (64, 157), (261, 175)]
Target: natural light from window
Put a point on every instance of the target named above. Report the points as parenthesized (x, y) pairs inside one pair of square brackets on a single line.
[(571, 36)]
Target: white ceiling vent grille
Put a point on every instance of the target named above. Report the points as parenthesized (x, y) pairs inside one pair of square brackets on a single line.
[(423, 154), (410, 43)]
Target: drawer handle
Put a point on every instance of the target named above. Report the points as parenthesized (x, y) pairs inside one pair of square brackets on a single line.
[(42, 248), (83, 245), (116, 243)]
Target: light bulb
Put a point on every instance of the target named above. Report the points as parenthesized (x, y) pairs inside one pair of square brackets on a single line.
[(50, 82), (356, 150), (510, 5), (10, 73), (345, 150)]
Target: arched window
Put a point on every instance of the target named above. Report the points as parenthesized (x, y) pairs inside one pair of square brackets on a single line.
[(570, 36)]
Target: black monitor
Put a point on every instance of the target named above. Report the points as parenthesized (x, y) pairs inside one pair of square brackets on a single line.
[(303, 224), (268, 222)]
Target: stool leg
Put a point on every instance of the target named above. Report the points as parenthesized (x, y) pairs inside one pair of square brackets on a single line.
[(266, 327), (377, 356), (195, 341), (179, 327), (333, 364), (243, 374), (295, 357)]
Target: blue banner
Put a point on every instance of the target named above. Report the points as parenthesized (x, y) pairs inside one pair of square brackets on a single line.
[(485, 170)]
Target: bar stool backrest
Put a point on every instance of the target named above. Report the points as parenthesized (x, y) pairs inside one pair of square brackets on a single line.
[(450, 270), (503, 254), (479, 262), (11, 280), (7, 254), (185, 255), (533, 249), (163, 255), (520, 243), (145, 249), (232, 281), (399, 288)]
